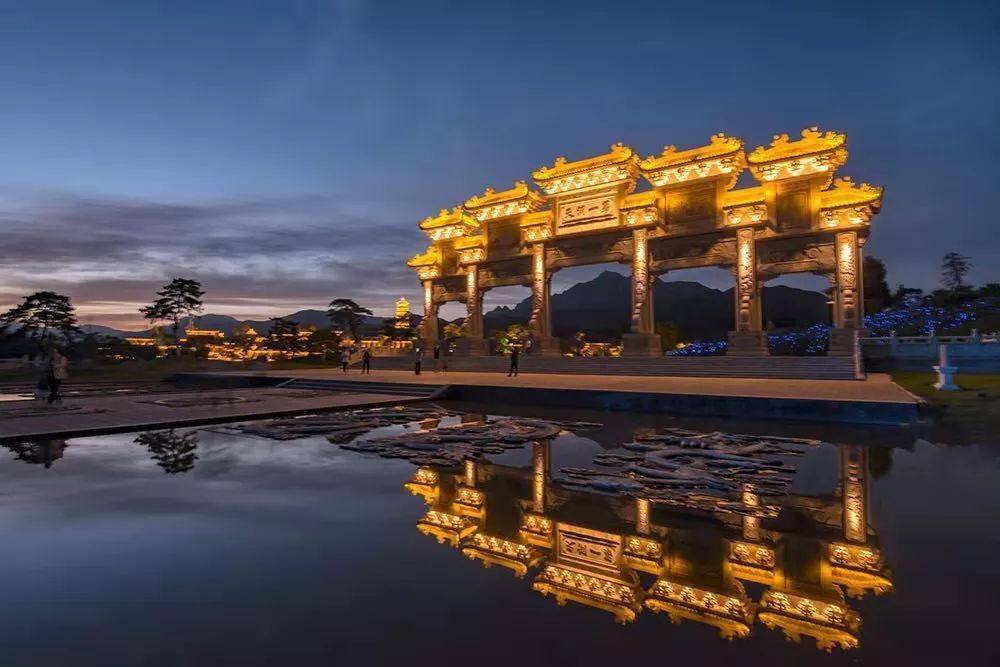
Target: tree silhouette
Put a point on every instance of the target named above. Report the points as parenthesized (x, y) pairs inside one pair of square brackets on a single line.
[(172, 451), (178, 298), (41, 313), (42, 452), (284, 335), (954, 268), (348, 315), (876, 287)]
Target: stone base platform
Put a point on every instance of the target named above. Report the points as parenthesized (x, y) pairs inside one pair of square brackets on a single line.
[(876, 400), (642, 345)]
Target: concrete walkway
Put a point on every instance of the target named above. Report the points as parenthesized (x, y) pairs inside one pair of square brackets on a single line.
[(877, 388), (93, 415)]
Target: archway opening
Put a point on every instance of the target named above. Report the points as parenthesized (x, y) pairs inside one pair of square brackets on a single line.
[(595, 300), (505, 306), (796, 301), (693, 305)]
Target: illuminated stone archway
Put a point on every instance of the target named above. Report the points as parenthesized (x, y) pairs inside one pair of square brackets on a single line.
[(691, 216)]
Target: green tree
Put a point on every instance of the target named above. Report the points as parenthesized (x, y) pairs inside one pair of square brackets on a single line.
[(40, 314), (348, 315), (989, 290), (954, 269), (323, 342), (876, 288), (907, 296), (453, 332), (180, 298), (284, 335)]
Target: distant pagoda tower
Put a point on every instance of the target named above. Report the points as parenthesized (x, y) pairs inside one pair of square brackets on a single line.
[(402, 313)]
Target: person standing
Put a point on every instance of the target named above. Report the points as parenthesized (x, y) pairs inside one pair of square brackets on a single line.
[(366, 362), (345, 358), (57, 373), (437, 356), (417, 359), (514, 354)]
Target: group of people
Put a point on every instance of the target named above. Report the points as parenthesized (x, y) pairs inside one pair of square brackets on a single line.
[(53, 370), (440, 360), (366, 360)]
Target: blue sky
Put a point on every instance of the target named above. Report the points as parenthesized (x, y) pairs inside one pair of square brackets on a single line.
[(283, 152)]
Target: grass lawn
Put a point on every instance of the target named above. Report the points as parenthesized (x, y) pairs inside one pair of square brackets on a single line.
[(975, 409)]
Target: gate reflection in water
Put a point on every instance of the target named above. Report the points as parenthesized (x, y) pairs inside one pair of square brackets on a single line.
[(628, 555)]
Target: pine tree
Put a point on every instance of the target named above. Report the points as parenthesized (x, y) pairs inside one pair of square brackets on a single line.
[(41, 313), (178, 298)]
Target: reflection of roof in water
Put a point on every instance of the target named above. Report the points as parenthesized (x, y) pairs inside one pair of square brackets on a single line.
[(607, 552)]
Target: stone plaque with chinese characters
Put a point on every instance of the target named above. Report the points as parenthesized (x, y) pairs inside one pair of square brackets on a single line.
[(587, 214), (592, 548)]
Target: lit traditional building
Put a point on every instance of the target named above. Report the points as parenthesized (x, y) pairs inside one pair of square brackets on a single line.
[(690, 215), (402, 313)]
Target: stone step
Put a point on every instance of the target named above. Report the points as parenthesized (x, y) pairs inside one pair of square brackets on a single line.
[(760, 367), (363, 387)]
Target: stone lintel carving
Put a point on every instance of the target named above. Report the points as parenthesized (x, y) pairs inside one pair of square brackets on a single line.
[(785, 256), (676, 254), (598, 249)]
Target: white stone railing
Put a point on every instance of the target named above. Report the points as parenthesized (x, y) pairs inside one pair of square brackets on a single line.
[(973, 345)]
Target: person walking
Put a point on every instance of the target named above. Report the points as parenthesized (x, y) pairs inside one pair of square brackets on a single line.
[(514, 354), (57, 373), (366, 362), (437, 356), (345, 358), (417, 359)]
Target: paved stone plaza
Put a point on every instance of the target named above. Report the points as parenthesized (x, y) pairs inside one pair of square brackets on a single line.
[(20, 420)]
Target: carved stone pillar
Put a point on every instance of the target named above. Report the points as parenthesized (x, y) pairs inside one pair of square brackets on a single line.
[(472, 343), (854, 492), (748, 338), (471, 473), (540, 456), (541, 317), (751, 524), (643, 510), (429, 325), (642, 341), (848, 315)]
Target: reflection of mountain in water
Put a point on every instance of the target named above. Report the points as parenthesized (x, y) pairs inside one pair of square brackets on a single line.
[(172, 451), (42, 452), (629, 554)]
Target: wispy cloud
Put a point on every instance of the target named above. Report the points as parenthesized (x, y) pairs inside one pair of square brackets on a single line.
[(255, 257)]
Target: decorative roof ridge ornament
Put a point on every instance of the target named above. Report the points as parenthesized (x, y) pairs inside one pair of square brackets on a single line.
[(449, 224), (618, 154), (619, 166), (719, 145), (722, 157), (814, 154), (813, 142), (514, 201)]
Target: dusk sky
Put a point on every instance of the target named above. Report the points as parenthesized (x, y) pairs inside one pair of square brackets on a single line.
[(282, 152)]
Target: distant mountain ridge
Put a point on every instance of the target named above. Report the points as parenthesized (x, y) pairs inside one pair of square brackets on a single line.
[(600, 307), (227, 324)]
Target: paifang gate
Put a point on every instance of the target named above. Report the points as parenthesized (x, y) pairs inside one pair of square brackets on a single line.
[(589, 212)]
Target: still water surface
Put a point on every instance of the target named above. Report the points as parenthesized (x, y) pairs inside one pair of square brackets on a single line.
[(209, 548)]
